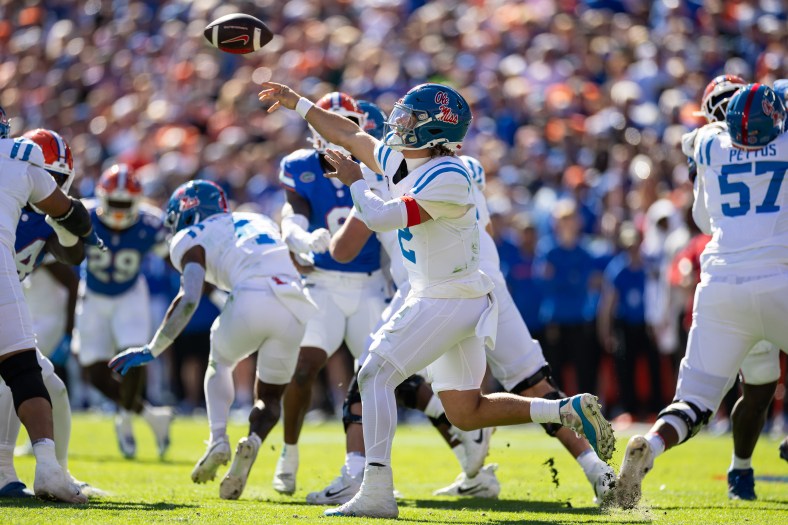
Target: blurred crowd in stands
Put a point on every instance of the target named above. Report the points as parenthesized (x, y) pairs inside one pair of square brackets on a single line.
[(578, 108)]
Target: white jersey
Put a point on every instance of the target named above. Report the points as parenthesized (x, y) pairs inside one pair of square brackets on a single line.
[(741, 196), (389, 239), (238, 247), (490, 262), (22, 180), (440, 255)]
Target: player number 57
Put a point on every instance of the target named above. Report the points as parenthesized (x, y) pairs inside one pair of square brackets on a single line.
[(740, 188)]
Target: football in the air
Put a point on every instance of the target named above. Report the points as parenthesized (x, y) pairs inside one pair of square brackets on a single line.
[(238, 33)]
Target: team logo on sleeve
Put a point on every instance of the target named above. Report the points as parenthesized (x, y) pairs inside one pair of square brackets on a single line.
[(446, 114), (307, 177)]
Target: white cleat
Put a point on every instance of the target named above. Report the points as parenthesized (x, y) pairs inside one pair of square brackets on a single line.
[(583, 414), (638, 461), (87, 489), (234, 481), (340, 491), (125, 434), (375, 498), (284, 481), (484, 485), (160, 419), (218, 453), (477, 445), (603, 480), (52, 483)]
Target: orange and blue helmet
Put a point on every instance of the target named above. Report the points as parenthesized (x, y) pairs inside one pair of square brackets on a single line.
[(58, 160), (755, 116), (717, 94), (193, 202)]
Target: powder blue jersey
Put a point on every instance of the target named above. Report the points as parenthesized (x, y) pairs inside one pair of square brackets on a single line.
[(32, 233), (302, 173), (115, 270)]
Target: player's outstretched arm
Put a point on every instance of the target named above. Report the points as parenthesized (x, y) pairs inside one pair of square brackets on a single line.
[(377, 214), (66, 247), (178, 314), (331, 126)]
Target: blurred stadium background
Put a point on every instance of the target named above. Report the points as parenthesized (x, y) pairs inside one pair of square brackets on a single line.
[(579, 108)]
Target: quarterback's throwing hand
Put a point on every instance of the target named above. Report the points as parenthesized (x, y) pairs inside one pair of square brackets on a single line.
[(346, 169), (132, 357), (280, 94)]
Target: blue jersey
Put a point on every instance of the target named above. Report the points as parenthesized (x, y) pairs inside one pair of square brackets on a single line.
[(32, 233), (302, 173), (115, 270), (630, 285)]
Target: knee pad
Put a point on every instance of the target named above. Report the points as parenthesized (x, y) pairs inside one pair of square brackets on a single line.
[(22, 374), (529, 382), (408, 391), (353, 396), (688, 413)]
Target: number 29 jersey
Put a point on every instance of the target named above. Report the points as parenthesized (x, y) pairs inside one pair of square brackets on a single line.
[(238, 247), (114, 271), (302, 173), (743, 195)]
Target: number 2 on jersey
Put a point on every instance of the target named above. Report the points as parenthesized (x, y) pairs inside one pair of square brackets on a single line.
[(740, 188), (405, 235)]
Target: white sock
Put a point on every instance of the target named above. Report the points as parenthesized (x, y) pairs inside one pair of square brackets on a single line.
[(61, 417), (354, 464), (290, 451), (7, 471), (459, 453), (738, 463), (656, 442), (589, 462), (434, 408), (219, 394), (44, 450), (545, 410)]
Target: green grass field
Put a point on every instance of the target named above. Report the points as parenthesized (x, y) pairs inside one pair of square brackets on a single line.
[(687, 486)]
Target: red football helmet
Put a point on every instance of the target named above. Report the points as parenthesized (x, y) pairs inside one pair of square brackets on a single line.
[(717, 94), (341, 104), (57, 156), (119, 192)]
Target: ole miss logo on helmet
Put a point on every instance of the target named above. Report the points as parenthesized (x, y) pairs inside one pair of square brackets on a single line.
[(446, 114)]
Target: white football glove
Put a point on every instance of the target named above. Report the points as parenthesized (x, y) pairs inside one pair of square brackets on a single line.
[(319, 240)]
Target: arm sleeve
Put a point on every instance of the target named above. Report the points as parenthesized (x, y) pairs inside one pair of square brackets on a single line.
[(700, 214), (183, 241), (444, 192), (294, 232), (191, 290), (387, 160), (380, 215)]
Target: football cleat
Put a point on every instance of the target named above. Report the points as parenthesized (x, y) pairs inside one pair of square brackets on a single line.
[(583, 414), (218, 453), (284, 481), (741, 484), (125, 434), (603, 480), (340, 491), (375, 498), (784, 449), (234, 481), (159, 419), (484, 485), (638, 461), (52, 483), (477, 445), (15, 489)]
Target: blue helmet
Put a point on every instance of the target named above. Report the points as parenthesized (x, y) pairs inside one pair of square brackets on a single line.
[(755, 116), (428, 115), (376, 119), (781, 90), (5, 125), (193, 202)]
